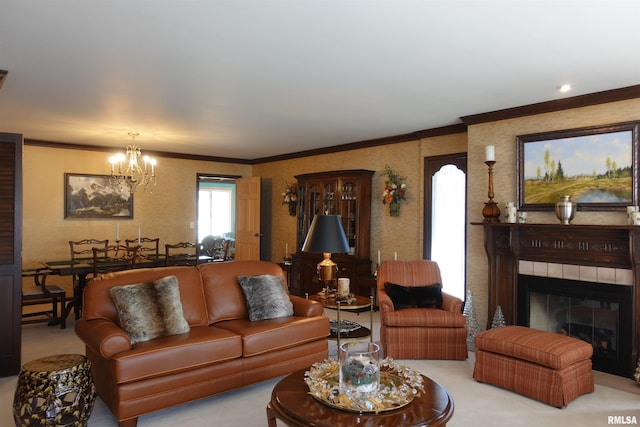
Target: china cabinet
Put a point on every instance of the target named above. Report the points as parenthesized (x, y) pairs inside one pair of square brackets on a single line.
[(346, 193)]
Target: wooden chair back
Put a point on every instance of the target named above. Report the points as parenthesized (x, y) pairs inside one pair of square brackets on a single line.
[(148, 246), (215, 247), (182, 253), (114, 258), (83, 248)]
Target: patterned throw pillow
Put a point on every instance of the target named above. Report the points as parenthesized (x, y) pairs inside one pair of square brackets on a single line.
[(150, 310), (266, 297)]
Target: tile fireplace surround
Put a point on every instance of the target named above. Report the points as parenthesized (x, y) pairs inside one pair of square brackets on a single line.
[(597, 254)]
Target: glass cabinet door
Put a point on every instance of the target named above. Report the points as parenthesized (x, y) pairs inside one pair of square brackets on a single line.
[(348, 211), (329, 198)]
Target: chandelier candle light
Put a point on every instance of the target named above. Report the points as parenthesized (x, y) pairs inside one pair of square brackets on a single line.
[(134, 175), (490, 212)]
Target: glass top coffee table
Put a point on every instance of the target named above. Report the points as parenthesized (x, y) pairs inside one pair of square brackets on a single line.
[(292, 404)]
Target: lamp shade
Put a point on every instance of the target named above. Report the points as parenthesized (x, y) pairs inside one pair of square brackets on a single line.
[(326, 235)]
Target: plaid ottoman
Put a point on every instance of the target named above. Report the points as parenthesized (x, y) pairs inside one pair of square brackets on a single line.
[(551, 368)]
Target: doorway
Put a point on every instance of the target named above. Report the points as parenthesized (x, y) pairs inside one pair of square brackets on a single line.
[(216, 206), (228, 207), (445, 219)]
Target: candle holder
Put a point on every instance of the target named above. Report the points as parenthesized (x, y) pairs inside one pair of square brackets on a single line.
[(491, 211)]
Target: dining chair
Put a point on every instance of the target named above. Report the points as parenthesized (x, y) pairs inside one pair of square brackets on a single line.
[(149, 247), (40, 293), (114, 258), (183, 253), (215, 247), (82, 249)]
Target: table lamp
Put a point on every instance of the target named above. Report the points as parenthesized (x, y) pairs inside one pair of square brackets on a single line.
[(326, 235)]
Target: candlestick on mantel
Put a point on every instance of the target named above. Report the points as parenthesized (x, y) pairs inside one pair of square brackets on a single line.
[(491, 211), (490, 153), (139, 234), (117, 231)]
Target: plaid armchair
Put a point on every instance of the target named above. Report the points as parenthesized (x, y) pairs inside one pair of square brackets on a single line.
[(419, 333)]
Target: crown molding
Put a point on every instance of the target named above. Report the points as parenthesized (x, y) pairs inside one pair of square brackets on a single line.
[(590, 99)]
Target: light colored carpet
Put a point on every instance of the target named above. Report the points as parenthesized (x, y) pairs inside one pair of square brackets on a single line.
[(475, 404)]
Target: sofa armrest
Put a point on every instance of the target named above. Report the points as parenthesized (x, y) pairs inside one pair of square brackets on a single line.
[(103, 336), (305, 307), (384, 302), (451, 303)]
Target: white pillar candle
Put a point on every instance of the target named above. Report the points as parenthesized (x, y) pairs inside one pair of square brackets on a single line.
[(286, 249), (117, 231), (490, 153), (378, 257), (343, 286), (139, 234), (395, 256)]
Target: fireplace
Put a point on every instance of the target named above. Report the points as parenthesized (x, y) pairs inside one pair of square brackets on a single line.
[(582, 280), (597, 313)]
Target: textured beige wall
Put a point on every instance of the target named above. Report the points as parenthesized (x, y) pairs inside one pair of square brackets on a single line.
[(502, 135), (165, 213), (168, 211)]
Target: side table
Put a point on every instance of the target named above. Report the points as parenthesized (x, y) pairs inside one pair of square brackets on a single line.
[(360, 304), (54, 391)]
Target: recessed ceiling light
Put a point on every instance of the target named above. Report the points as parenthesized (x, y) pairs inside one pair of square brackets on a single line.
[(564, 88)]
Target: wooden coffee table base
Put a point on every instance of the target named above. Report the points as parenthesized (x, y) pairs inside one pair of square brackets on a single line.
[(292, 403)]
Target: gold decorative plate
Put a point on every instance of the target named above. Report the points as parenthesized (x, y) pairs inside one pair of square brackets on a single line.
[(398, 386)]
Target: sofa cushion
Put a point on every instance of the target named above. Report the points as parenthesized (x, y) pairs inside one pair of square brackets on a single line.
[(150, 310), (201, 346), (423, 317), (266, 297), (274, 334), (414, 296)]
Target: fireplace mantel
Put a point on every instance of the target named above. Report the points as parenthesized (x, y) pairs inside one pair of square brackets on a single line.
[(507, 244)]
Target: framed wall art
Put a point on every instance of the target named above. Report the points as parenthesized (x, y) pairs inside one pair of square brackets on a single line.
[(596, 166), (94, 197)]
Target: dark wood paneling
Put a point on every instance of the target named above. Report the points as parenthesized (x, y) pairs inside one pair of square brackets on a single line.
[(10, 248)]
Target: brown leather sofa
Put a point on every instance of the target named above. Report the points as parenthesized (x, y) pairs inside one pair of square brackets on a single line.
[(223, 350)]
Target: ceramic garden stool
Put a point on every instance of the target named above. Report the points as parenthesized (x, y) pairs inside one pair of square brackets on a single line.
[(549, 367), (54, 391)]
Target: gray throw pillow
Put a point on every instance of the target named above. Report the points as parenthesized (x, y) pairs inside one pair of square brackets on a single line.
[(266, 297), (150, 310)]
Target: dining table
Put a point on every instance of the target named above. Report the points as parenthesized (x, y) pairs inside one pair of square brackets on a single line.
[(81, 268)]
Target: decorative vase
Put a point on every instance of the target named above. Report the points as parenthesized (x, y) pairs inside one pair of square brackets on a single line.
[(292, 209), (359, 366), (394, 209), (565, 209)]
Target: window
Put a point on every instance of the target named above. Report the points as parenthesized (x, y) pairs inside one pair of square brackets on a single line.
[(445, 216), (216, 208)]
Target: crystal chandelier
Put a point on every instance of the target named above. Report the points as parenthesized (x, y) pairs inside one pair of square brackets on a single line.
[(133, 175)]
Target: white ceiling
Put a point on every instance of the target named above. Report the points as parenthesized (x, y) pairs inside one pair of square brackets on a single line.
[(258, 78)]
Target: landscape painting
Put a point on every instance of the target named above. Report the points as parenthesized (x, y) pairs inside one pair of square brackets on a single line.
[(93, 196), (595, 166)]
